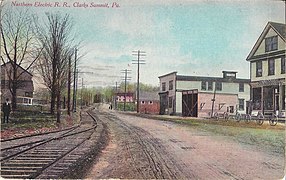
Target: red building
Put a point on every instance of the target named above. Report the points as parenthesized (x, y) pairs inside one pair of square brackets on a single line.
[(149, 103)]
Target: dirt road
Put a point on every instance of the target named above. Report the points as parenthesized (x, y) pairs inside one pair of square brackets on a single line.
[(144, 148)]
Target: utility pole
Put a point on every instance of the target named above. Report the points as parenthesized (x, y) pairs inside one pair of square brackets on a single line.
[(74, 83), (139, 61), (69, 87), (126, 71), (115, 98), (213, 100), (81, 98)]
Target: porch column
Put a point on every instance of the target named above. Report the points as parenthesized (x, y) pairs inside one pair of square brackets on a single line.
[(262, 100), (280, 97)]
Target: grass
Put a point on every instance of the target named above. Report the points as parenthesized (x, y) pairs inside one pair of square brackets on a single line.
[(271, 140), (265, 137), (31, 118)]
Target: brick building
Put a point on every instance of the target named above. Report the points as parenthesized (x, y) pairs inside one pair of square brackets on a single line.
[(149, 103)]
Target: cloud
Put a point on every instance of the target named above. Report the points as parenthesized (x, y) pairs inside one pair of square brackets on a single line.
[(145, 31)]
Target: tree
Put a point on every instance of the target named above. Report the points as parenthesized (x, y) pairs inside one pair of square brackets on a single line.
[(57, 41), (20, 46)]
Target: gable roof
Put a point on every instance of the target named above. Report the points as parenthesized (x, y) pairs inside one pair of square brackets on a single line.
[(175, 72), (3, 65), (279, 28)]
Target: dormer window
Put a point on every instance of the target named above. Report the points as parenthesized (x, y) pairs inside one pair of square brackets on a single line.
[(271, 43)]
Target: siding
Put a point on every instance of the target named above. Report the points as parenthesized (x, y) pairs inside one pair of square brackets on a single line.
[(261, 48), (265, 71)]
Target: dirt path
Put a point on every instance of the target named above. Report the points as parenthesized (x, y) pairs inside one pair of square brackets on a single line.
[(143, 148)]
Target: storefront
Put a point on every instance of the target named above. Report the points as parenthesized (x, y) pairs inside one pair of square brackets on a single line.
[(268, 96)]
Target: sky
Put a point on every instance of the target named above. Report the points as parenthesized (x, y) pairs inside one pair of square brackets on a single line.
[(192, 37)]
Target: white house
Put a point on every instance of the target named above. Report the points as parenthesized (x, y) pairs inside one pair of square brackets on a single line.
[(267, 70)]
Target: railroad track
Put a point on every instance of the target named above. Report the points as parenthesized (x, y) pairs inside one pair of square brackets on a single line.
[(46, 156)]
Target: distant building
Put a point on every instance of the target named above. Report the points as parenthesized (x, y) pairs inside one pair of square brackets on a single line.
[(149, 103), (121, 96), (25, 86), (198, 96), (267, 70), (121, 104)]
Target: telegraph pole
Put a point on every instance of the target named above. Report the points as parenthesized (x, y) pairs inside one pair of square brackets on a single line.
[(69, 87), (139, 61), (115, 98), (81, 100), (126, 71), (213, 101), (74, 83)]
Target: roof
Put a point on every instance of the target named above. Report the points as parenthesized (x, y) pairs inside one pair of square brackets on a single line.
[(280, 29), (214, 79), (18, 66), (143, 95), (175, 72)]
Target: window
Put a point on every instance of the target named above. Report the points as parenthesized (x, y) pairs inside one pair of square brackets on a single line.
[(170, 102), (218, 86), (283, 66), (241, 104), (142, 102), (163, 86), (204, 85), (271, 43), (258, 68), (210, 85), (231, 109), (241, 87), (150, 102), (28, 94), (271, 67), (171, 85)]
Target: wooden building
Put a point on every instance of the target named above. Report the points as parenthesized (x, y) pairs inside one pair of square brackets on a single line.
[(199, 96), (267, 70), (25, 86)]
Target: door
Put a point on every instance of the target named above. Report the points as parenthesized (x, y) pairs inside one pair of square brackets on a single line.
[(190, 103), (163, 103)]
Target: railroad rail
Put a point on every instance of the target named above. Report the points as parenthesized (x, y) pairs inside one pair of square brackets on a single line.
[(47, 155)]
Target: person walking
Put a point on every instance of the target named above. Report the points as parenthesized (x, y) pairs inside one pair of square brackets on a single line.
[(6, 109)]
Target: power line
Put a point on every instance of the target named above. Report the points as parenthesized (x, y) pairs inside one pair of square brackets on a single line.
[(139, 61)]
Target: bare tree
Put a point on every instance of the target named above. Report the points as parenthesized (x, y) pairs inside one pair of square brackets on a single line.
[(57, 41), (20, 46)]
